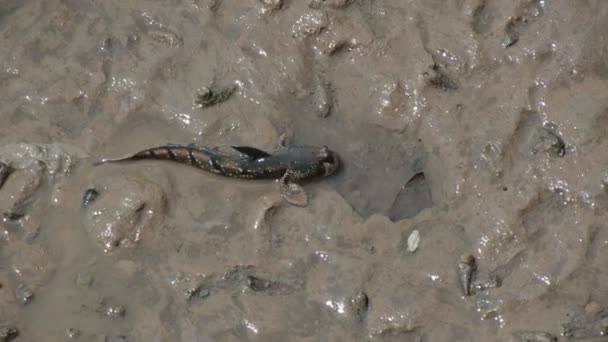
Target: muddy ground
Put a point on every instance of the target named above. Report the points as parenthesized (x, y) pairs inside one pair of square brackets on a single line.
[(470, 204)]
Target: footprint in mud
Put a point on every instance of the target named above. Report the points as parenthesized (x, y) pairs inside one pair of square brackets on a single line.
[(158, 31), (527, 13), (413, 197), (532, 139), (126, 212)]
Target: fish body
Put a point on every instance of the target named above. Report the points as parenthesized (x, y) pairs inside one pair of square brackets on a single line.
[(298, 162)]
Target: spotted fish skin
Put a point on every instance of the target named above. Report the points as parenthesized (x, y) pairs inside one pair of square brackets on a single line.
[(294, 162)]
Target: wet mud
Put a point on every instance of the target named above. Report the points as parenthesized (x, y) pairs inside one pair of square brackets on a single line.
[(470, 203)]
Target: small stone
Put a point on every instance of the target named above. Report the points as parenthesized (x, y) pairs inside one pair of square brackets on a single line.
[(90, 195), (204, 293), (272, 4), (604, 327), (72, 332), (24, 294), (8, 333), (116, 311), (197, 292), (413, 241), (207, 97)]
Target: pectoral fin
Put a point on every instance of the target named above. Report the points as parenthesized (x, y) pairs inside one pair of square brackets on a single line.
[(251, 152), (293, 192)]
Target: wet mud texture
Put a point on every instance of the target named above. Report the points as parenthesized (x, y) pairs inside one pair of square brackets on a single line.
[(471, 204)]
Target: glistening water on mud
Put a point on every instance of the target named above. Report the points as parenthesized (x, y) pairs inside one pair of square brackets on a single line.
[(470, 203)]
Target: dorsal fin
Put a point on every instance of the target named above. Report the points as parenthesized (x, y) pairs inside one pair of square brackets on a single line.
[(251, 152)]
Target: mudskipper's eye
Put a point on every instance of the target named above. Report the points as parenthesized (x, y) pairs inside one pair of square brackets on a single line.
[(324, 152)]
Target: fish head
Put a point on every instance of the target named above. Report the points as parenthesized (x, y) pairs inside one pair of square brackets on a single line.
[(310, 160), (328, 160)]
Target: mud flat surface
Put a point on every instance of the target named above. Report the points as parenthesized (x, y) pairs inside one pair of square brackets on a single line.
[(471, 204)]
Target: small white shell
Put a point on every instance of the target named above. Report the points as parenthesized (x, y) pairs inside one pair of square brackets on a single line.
[(413, 241)]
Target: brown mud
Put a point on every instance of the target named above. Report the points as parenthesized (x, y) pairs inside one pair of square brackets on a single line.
[(471, 204)]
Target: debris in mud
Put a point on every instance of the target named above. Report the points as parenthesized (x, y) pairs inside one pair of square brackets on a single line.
[(116, 311), (24, 294), (18, 192), (526, 14), (413, 197), (247, 277), (111, 311), (111, 338), (343, 35), (413, 241), (311, 23), (438, 79), (316, 4), (90, 195), (532, 139), (534, 336), (257, 284), (158, 31), (272, 5), (203, 293), (5, 171), (549, 142), (491, 282), (322, 98), (586, 326), (128, 211), (8, 333), (12, 216), (197, 292), (359, 305), (55, 159), (72, 333), (511, 32), (207, 97), (466, 272)]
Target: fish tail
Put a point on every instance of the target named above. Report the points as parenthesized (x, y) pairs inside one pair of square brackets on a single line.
[(188, 155)]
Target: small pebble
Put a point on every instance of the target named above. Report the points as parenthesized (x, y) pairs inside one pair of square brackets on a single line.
[(272, 4), (204, 293), (413, 241), (604, 327), (24, 294), (89, 197), (72, 332), (116, 311), (207, 97), (197, 292)]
